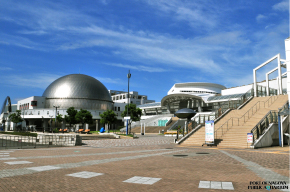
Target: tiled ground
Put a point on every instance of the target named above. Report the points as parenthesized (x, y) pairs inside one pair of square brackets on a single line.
[(143, 165)]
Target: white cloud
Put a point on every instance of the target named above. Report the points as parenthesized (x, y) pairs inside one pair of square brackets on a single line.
[(110, 80), (18, 41), (195, 13), (38, 32), (5, 68), (105, 2), (138, 67), (260, 17), (282, 6), (209, 52), (37, 80)]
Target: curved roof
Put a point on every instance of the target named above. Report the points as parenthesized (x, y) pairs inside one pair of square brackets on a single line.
[(177, 97), (203, 84), (77, 86)]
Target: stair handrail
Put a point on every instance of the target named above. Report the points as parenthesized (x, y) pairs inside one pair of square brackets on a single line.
[(261, 126), (285, 106), (244, 116), (256, 108), (168, 122), (246, 102), (173, 125), (198, 125), (187, 135)]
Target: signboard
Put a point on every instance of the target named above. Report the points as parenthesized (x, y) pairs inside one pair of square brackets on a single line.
[(128, 117), (209, 131), (250, 137)]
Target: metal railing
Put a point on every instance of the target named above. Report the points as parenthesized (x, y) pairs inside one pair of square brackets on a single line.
[(258, 130), (284, 107), (242, 120), (168, 122), (173, 125), (199, 120), (190, 132), (22, 142)]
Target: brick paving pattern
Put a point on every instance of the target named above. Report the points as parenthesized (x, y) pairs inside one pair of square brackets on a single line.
[(152, 163), (141, 141)]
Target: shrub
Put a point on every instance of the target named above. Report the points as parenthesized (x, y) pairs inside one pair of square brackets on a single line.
[(55, 130)]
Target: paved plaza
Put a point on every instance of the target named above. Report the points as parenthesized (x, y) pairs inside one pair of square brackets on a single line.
[(150, 163)]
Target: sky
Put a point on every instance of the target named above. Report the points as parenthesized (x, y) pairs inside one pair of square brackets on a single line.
[(161, 42)]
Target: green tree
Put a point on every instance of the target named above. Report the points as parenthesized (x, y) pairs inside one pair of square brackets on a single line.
[(59, 118), (108, 117), (83, 116), (71, 116), (16, 117), (134, 113)]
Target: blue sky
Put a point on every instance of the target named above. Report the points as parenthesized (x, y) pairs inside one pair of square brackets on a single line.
[(162, 42)]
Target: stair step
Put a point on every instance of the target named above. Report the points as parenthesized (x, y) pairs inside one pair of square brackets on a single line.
[(236, 135)]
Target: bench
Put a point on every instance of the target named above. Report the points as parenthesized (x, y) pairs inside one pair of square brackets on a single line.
[(80, 130), (170, 133), (87, 131), (64, 131)]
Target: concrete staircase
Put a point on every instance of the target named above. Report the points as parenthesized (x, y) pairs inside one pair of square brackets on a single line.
[(237, 123)]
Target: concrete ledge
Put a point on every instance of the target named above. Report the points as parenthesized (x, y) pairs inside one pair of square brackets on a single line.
[(110, 134)]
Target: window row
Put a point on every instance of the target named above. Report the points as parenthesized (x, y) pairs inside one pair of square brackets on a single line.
[(119, 97), (199, 91)]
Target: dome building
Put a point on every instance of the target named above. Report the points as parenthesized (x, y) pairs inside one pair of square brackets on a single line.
[(78, 91), (74, 90)]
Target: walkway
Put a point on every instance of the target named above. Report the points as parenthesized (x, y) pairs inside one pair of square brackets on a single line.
[(145, 164)]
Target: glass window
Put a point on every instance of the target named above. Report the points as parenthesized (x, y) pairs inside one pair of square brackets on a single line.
[(33, 103)]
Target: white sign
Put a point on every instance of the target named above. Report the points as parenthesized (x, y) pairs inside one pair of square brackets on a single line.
[(250, 137), (209, 131), (127, 117)]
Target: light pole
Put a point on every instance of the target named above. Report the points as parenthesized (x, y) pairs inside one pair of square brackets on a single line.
[(129, 76), (42, 124), (55, 115), (23, 118), (50, 122)]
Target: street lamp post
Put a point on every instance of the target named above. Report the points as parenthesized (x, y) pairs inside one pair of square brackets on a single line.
[(129, 76), (50, 122), (23, 118), (55, 114), (42, 124)]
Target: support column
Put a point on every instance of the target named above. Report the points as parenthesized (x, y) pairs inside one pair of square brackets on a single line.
[(255, 82), (63, 124), (279, 75), (189, 104), (199, 106), (287, 49), (97, 125), (45, 124), (168, 108)]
